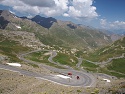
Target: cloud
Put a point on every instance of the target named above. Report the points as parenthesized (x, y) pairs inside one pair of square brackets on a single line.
[(21, 7), (66, 15), (12, 3), (40, 3), (82, 9), (58, 10), (116, 25), (67, 8), (103, 22)]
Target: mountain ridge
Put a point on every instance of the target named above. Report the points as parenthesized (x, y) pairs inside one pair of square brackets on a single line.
[(45, 22), (56, 32)]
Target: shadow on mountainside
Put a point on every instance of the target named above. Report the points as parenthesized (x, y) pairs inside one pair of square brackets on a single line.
[(45, 22), (3, 23)]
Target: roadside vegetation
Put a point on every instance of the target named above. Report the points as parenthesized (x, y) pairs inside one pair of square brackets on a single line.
[(115, 68), (117, 65), (65, 59), (112, 73), (89, 66), (114, 50), (11, 48), (41, 57)]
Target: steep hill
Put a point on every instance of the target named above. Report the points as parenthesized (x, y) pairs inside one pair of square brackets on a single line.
[(116, 49), (45, 22), (64, 33), (55, 32), (111, 59), (14, 23), (20, 35)]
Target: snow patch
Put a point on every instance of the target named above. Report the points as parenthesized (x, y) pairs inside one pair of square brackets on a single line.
[(62, 76), (105, 38), (14, 16), (18, 27), (107, 80), (49, 53), (14, 64)]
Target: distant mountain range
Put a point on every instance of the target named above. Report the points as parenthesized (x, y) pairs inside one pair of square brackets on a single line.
[(116, 49), (45, 22), (56, 32), (119, 31), (65, 33), (3, 21), (20, 34)]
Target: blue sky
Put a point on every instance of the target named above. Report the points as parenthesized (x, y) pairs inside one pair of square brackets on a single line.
[(105, 14), (111, 9)]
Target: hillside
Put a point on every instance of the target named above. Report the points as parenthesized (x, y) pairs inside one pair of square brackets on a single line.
[(55, 32), (116, 49), (10, 48), (68, 34), (13, 43), (15, 23), (111, 59), (48, 49)]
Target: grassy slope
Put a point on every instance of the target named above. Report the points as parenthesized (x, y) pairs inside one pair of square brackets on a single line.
[(110, 51), (66, 59), (80, 38), (11, 48), (89, 66), (41, 58), (38, 57), (60, 35), (113, 73), (117, 65)]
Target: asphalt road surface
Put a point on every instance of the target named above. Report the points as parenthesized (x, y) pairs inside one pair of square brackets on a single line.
[(85, 79)]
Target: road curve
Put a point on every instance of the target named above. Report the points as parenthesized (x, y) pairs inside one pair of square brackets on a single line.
[(86, 79), (50, 59), (79, 62)]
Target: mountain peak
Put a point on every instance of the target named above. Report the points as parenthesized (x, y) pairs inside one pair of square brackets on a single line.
[(45, 22), (5, 12), (4, 18), (1, 11), (24, 17)]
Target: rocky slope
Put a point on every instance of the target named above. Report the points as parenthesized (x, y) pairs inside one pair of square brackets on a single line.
[(55, 32), (116, 49), (26, 39), (65, 33)]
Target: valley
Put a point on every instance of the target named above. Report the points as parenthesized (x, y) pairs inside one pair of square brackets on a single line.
[(49, 49)]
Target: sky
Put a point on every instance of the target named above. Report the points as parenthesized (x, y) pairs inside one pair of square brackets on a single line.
[(104, 14)]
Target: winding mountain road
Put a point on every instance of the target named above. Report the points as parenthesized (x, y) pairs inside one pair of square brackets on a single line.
[(50, 59), (86, 79), (79, 62)]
